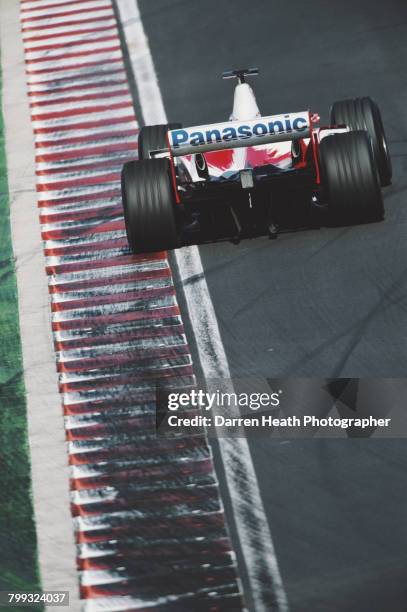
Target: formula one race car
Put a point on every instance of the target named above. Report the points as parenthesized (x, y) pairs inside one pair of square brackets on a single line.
[(241, 173)]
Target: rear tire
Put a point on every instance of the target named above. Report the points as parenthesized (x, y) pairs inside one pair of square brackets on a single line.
[(350, 179), (154, 138), (364, 114), (149, 206)]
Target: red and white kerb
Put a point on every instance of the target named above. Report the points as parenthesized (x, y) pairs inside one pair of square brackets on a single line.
[(149, 524)]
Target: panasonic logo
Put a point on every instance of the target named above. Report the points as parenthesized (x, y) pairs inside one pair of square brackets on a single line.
[(233, 134)]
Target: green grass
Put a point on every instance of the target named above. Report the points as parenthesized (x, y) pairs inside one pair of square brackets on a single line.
[(18, 546)]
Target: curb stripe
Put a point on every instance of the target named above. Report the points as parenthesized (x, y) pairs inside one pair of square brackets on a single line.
[(98, 137), (88, 125), (57, 35), (102, 61), (64, 24), (86, 110), (30, 50), (79, 99), (46, 57), (56, 5), (61, 156), (50, 9), (53, 82)]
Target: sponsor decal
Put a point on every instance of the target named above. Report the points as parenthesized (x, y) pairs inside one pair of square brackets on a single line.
[(238, 133)]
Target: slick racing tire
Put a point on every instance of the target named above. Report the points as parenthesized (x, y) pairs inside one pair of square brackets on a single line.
[(149, 206), (153, 138), (364, 114), (349, 178)]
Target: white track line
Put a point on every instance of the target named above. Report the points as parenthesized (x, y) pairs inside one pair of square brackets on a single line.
[(49, 469), (249, 514)]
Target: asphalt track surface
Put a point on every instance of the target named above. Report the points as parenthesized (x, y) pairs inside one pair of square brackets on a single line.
[(320, 302)]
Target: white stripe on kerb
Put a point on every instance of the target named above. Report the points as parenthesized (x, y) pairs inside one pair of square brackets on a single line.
[(249, 514)]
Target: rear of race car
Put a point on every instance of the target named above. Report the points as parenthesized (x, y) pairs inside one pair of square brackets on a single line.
[(215, 177), (237, 179)]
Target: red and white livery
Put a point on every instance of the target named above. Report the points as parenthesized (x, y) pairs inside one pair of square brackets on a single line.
[(254, 173)]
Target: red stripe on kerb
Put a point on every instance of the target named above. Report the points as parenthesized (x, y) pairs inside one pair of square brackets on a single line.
[(205, 552), (92, 9), (86, 152), (75, 168), (137, 334), (86, 110), (121, 359), (69, 33), (49, 91), (74, 182), (77, 67), (69, 44), (138, 476), (45, 7), (77, 22), (123, 317), (121, 450), (92, 137), (66, 56), (86, 125), (69, 99), (51, 85)]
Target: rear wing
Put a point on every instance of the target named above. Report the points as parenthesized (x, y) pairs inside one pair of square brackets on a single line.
[(233, 134)]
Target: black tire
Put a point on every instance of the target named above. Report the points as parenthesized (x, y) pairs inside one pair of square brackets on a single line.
[(364, 114), (149, 206), (350, 179), (153, 138)]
